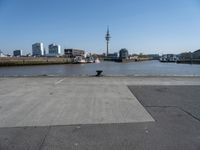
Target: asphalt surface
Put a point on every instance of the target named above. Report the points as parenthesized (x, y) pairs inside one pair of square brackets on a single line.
[(175, 109)]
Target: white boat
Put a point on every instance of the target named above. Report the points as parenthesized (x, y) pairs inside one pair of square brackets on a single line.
[(89, 59), (79, 60), (97, 60)]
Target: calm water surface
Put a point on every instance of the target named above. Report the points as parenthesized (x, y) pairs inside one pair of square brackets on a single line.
[(146, 68)]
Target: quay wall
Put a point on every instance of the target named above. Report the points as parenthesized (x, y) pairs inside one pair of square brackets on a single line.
[(134, 60), (126, 60), (189, 61), (18, 61)]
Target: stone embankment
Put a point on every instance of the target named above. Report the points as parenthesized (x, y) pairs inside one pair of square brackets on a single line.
[(189, 61), (16, 61)]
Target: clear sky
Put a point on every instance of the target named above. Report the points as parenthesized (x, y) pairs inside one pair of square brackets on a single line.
[(147, 26)]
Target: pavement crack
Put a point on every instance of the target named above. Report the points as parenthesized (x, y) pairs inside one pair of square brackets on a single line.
[(43, 141), (185, 111)]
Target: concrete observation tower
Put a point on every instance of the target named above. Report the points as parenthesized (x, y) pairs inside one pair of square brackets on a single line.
[(107, 40)]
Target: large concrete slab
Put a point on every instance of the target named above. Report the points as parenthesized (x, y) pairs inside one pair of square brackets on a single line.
[(52, 101), (174, 108)]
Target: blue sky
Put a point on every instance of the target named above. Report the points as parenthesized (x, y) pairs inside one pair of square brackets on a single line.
[(147, 26)]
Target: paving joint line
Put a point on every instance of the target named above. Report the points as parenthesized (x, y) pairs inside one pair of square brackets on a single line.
[(44, 139), (185, 111), (59, 81)]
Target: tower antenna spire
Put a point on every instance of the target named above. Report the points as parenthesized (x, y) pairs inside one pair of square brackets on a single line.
[(107, 40)]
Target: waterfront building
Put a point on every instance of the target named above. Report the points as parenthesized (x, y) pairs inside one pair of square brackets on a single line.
[(54, 50), (189, 57), (112, 56), (196, 54), (38, 49), (17, 53), (72, 53), (169, 58), (185, 56), (45, 52), (123, 54)]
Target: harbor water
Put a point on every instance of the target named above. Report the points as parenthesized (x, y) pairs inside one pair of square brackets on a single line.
[(144, 68)]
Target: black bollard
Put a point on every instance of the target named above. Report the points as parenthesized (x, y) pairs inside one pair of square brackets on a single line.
[(98, 73)]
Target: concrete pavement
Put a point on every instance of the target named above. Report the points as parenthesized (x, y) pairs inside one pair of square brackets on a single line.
[(51, 101), (162, 113)]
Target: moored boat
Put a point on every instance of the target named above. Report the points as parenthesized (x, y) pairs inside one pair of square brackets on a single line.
[(79, 60), (97, 60)]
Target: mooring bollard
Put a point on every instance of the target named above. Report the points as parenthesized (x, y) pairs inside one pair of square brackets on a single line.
[(99, 73)]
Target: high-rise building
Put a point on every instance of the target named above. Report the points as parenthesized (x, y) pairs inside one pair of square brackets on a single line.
[(54, 50), (38, 49), (17, 53)]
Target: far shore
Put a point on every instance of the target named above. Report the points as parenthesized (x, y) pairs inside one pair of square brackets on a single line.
[(30, 61)]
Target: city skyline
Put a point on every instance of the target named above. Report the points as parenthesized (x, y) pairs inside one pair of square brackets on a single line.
[(140, 26)]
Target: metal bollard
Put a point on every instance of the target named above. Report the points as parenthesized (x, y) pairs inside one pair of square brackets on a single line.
[(98, 73)]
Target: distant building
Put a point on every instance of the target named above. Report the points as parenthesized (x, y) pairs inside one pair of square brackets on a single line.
[(99, 56), (45, 53), (185, 56), (72, 53), (38, 49), (1, 54), (28, 55), (17, 53), (123, 54), (154, 56), (112, 56), (134, 57), (189, 57), (169, 58), (54, 50), (196, 54)]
